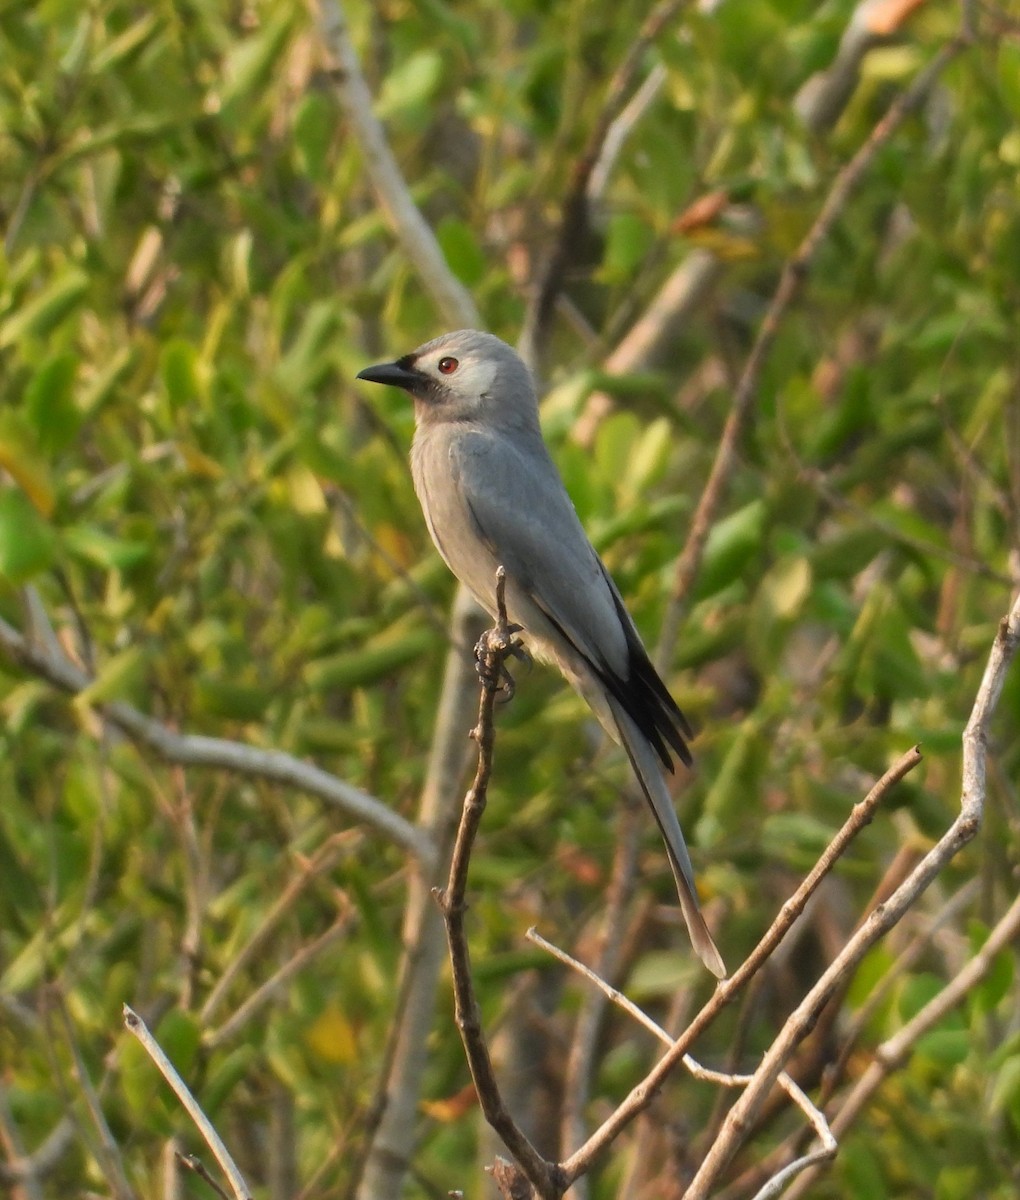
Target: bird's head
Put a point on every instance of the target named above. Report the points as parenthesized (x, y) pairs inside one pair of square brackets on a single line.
[(463, 376)]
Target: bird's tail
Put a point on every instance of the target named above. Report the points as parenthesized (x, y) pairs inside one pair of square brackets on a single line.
[(653, 784)]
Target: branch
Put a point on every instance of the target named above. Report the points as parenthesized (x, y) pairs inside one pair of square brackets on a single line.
[(642, 1095), (884, 917), (309, 870), (196, 750), (791, 283), (492, 651), (272, 987), (893, 1053), (415, 236), (815, 1118), (137, 1026)]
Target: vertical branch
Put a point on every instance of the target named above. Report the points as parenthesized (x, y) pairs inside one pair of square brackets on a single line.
[(395, 1111), (491, 652)]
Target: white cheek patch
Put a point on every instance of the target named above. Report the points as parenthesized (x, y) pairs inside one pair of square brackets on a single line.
[(475, 378)]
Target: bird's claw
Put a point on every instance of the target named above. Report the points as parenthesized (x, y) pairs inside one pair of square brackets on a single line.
[(493, 646)]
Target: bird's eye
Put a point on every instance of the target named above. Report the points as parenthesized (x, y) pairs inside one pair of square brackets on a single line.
[(448, 365)]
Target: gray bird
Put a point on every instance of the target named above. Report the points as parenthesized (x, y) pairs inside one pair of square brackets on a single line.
[(492, 496)]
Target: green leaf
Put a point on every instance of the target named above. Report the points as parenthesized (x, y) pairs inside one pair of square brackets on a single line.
[(178, 368), (358, 668), (410, 86), (250, 64), (233, 699), (461, 250), (26, 541), (629, 238), (47, 310), (315, 124), (1007, 61), (179, 1034), (115, 679), (731, 795), (102, 549), (49, 404), (225, 1073), (733, 545), (21, 457)]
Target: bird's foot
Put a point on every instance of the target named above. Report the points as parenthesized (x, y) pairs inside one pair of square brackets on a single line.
[(491, 651)]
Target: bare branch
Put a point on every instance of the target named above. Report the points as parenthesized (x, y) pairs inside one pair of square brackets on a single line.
[(893, 1053), (883, 918), (492, 651), (310, 870), (815, 1118), (196, 750), (643, 1094), (137, 1026), (273, 985), (395, 1116), (107, 1150)]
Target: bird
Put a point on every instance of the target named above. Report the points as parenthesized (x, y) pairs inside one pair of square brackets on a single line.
[(492, 496)]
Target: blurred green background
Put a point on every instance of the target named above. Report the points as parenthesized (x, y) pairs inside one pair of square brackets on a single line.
[(220, 525)]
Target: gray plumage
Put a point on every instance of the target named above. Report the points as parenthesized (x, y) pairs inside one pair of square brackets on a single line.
[(491, 495)]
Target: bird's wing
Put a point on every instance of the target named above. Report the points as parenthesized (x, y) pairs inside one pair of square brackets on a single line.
[(520, 510), (515, 499), (522, 515)]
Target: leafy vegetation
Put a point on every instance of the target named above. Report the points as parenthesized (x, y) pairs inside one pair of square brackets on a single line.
[(219, 527)]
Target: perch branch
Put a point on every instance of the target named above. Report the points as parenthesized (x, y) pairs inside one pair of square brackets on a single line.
[(492, 652)]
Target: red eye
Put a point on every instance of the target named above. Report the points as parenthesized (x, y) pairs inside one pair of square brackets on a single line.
[(448, 365)]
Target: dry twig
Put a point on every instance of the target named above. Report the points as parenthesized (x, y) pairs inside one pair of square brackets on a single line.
[(136, 1026), (492, 652)]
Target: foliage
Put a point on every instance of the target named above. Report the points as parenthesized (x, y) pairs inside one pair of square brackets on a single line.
[(221, 527)]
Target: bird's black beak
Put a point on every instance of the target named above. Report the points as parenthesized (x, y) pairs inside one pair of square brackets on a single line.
[(396, 374)]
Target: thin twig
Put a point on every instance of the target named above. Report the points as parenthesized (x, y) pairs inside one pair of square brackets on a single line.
[(884, 917), (136, 1026), (643, 1094), (393, 1116), (894, 1052), (273, 985), (196, 750), (193, 1163), (395, 1113), (493, 650), (308, 871), (726, 1079), (107, 1150), (790, 285)]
